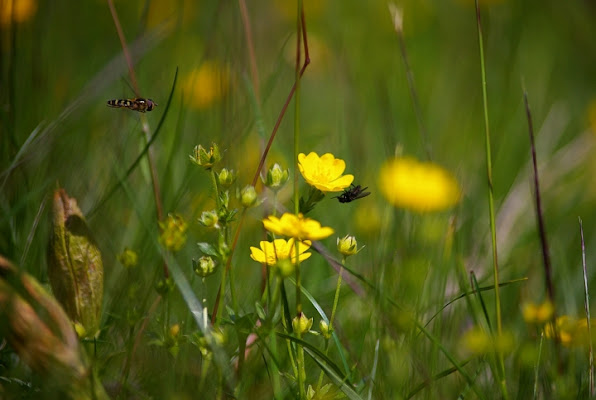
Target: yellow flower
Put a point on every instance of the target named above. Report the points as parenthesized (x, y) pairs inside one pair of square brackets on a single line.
[(572, 331), (207, 84), (23, 10), (418, 186), (537, 313), (298, 227), (325, 172), (280, 249), (173, 232)]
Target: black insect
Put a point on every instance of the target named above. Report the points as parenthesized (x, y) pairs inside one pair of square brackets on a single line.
[(353, 193), (136, 104)]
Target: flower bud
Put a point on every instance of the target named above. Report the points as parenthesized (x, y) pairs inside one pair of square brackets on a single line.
[(204, 267), (325, 330), (226, 177), (209, 219), (75, 268), (173, 232), (301, 324), (204, 158), (248, 196), (347, 245), (128, 258), (276, 177), (164, 286)]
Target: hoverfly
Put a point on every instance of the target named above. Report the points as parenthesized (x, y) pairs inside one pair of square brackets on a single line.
[(136, 104), (351, 194)]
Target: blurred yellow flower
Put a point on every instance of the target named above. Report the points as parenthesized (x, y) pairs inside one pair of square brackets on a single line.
[(207, 84), (538, 313), (296, 226), (478, 341), (173, 232), (572, 331), (419, 186), (280, 249), (325, 172), (23, 10)]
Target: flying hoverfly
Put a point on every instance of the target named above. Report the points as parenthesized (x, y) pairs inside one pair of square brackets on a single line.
[(351, 194), (136, 104)]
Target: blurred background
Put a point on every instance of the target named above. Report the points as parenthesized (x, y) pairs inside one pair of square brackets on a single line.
[(62, 60)]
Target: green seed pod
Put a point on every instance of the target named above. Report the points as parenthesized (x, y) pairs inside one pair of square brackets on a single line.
[(75, 268)]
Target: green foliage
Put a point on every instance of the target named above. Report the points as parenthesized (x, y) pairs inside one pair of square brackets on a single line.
[(413, 315)]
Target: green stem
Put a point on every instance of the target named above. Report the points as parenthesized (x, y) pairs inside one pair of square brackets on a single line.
[(491, 206), (335, 301), (300, 353)]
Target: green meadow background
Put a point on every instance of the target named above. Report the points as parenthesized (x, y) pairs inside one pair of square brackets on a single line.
[(61, 64)]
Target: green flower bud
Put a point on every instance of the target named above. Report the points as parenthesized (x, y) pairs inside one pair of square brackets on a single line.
[(128, 258), (173, 232), (248, 196), (347, 246), (325, 330), (226, 177), (276, 177), (204, 267), (164, 286), (204, 158), (209, 219), (75, 268), (301, 324)]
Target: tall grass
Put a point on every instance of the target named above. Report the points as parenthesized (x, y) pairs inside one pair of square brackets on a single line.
[(419, 307)]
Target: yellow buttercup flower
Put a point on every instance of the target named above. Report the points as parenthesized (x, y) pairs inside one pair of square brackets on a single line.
[(280, 249), (325, 172), (298, 227), (419, 186), (206, 85)]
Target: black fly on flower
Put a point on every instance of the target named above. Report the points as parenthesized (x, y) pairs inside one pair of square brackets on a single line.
[(351, 194)]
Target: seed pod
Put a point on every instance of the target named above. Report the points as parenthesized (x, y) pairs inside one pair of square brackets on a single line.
[(41, 333), (75, 268)]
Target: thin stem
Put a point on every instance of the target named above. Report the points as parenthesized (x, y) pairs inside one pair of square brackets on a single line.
[(587, 306), (491, 206), (550, 290), (286, 103), (335, 302)]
